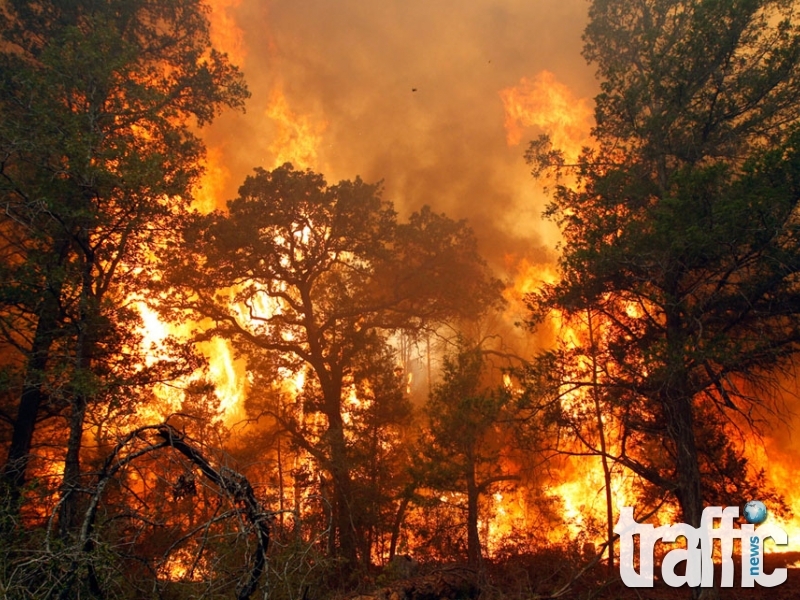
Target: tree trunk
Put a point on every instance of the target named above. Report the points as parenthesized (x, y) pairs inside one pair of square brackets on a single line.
[(689, 492), (473, 537), (398, 523), (33, 394), (343, 522), (678, 408), (31, 399), (680, 424), (603, 451), (679, 416), (88, 333), (70, 484), (281, 506)]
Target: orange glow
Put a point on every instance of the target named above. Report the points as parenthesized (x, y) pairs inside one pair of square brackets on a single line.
[(209, 192), (780, 466), (226, 35), (579, 487), (545, 103), (225, 372), (508, 515), (181, 565), (539, 104), (298, 137), (527, 277)]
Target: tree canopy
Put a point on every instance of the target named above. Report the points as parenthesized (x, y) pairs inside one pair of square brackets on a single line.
[(681, 232), (99, 104), (468, 445), (315, 277)]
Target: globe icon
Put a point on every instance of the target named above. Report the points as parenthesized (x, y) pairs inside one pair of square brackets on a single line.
[(755, 512)]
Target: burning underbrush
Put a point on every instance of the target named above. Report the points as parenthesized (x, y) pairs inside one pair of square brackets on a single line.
[(310, 389)]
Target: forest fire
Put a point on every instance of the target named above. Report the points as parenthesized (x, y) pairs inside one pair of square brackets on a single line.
[(298, 137), (226, 35), (224, 374), (213, 182), (549, 105)]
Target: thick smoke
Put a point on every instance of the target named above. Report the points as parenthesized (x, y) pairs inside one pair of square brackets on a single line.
[(407, 92), (416, 93)]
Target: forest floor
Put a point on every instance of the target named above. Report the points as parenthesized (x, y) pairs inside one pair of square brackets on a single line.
[(550, 574), (595, 584)]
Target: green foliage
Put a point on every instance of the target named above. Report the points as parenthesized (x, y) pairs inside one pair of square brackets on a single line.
[(98, 107), (690, 80), (466, 448), (464, 419), (681, 234)]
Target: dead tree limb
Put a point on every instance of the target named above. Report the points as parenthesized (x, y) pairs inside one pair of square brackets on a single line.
[(232, 483), (239, 488)]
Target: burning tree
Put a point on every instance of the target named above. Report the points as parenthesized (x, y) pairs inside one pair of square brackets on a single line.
[(466, 448), (311, 278), (681, 233), (98, 102)]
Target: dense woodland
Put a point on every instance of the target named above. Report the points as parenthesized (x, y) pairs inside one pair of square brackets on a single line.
[(676, 319)]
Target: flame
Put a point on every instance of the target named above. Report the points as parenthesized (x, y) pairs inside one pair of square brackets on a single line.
[(544, 102), (298, 136), (181, 565), (780, 465), (154, 332), (296, 140), (213, 182), (539, 102), (526, 277), (225, 34), (579, 487), (509, 514), (227, 376), (225, 372)]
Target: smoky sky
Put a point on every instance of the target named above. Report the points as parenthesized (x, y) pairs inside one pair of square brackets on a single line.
[(407, 92)]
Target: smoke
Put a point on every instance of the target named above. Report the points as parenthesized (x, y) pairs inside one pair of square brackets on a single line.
[(437, 99), (407, 92)]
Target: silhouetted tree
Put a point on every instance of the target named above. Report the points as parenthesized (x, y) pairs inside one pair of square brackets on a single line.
[(681, 230), (467, 446), (98, 104), (315, 276)]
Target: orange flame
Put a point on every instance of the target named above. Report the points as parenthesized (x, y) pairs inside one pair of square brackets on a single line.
[(225, 372), (226, 35), (298, 137), (210, 189), (780, 465), (544, 102)]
